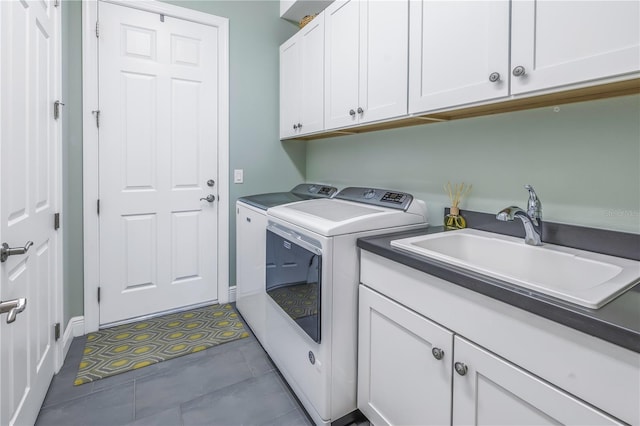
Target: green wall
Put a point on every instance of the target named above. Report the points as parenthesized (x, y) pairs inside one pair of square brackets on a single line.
[(256, 32), (583, 160)]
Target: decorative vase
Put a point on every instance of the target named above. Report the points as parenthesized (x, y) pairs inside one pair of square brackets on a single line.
[(454, 220)]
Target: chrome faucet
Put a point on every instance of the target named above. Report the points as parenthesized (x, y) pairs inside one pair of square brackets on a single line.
[(531, 219)]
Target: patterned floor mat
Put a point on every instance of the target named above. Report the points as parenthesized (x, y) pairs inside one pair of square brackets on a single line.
[(131, 346)]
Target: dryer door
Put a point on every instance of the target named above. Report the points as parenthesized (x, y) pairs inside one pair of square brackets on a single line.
[(294, 279)]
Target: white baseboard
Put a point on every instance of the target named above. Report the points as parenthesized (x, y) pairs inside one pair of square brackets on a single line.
[(232, 294), (75, 328)]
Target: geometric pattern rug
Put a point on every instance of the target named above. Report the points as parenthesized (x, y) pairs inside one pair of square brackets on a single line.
[(131, 346)]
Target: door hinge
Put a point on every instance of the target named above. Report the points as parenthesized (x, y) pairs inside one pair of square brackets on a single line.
[(56, 109), (98, 207), (161, 18), (97, 115), (56, 221), (98, 294), (56, 3), (56, 331), (97, 29)]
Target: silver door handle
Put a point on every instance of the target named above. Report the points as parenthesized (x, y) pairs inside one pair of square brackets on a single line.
[(6, 251), (210, 198), (14, 307)]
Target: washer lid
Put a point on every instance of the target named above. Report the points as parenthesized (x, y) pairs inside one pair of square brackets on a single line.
[(331, 217), (303, 191)]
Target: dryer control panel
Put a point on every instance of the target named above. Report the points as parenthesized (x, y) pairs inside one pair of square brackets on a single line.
[(377, 197)]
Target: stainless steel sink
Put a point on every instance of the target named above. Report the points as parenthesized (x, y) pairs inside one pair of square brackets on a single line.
[(581, 277)]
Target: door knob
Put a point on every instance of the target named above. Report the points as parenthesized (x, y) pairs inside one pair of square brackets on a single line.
[(211, 182), (13, 307), (6, 251), (210, 198)]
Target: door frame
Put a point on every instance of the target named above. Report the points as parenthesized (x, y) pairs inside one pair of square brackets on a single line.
[(90, 158)]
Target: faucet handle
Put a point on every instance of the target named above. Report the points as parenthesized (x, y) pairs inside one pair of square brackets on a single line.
[(534, 206)]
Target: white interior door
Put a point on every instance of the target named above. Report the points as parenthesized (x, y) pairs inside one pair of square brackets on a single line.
[(29, 63), (158, 137)]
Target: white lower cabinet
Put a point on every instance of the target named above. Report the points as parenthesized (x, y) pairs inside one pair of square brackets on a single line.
[(488, 390), (401, 381), (412, 371)]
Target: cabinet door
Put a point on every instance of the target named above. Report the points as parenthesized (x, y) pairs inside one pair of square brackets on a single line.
[(496, 392), (384, 41), (564, 42), (399, 379), (290, 86), (312, 76), (250, 267), (458, 53), (341, 63)]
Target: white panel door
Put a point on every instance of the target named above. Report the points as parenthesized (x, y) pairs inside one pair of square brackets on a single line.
[(384, 44), (158, 94), (564, 42), (29, 83), (458, 53), (496, 392), (400, 381)]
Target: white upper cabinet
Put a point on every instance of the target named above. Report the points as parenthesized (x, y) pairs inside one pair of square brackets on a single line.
[(302, 81), (366, 47), (466, 52), (565, 42), (459, 53)]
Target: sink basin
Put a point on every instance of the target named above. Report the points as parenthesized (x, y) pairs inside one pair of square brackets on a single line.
[(577, 276)]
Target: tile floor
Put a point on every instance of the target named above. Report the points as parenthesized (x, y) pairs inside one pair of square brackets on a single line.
[(231, 384)]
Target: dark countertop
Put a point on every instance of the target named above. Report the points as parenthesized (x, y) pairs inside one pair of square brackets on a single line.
[(617, 322)]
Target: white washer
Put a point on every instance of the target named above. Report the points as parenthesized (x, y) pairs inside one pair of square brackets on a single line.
[(251, 224), (312, 276)]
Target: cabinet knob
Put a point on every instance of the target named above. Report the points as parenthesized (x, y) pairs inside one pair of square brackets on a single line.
[(437, 353), (360, 110), (352, 113), (519, 71), (494, 76), (299, 126), (461, 368), (295, 127)]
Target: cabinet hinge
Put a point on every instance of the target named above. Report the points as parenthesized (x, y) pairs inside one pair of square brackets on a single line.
[(96, 113), (98, 294), (56, 331), (56, 109), (56, 221), (98, 206), (97, 29)]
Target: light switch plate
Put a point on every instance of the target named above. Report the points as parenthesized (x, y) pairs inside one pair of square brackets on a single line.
[(238, 176)]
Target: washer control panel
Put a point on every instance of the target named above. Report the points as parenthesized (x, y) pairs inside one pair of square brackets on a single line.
[(316, 190), (377, 197)]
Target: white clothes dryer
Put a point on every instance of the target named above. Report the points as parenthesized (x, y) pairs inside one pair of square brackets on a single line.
[(312, 275)]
